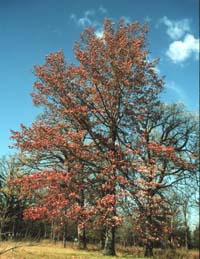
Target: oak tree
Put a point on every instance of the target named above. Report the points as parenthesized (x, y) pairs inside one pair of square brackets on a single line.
[(169, 156), (96, 145)]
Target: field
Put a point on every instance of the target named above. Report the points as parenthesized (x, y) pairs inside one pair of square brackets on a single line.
[(47, 250)]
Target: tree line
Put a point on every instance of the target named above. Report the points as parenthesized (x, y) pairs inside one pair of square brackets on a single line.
[(14, 227), (106, 157)]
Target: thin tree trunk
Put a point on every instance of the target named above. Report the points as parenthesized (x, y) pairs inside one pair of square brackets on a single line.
[(52, 231), (65, 236), (64, 240), (82, 244), (109, 248), (0, 234), (1, 229), (45, 230), (186, 237), (149, 249), (185, 227), (102, 237)]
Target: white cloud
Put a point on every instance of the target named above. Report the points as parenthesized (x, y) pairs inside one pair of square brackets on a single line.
[(73, 17), (181, 50), (99, 33), (148, 19), (89, 17), (176, 29), (86, 20), (157, 70), (102, 10)]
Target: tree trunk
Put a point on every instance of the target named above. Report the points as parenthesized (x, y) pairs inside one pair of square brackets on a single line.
[(64, 240), (82, 244), (45, 230), (186, 237), (0, 234), (52, 234), (109, 248), (1, 229), (65, 236), (148, 249), (185, 228), (102, 238)]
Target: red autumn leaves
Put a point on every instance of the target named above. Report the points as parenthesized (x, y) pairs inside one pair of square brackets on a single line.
[(95, 135)]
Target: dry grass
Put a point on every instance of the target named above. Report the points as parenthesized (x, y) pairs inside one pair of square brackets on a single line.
[(48, 250)]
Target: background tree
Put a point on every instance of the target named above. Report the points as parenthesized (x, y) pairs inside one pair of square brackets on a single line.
[(11, 208), (183, 198), (168, 155), (195, 237)]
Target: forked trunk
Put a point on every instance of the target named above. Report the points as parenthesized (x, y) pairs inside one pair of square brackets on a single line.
[(149, 249), (109, 247)]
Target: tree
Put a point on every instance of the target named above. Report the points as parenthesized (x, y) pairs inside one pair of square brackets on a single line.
[(97, 133), (169, 156), (183, 201), (11, 208), (96, 107), (196, 243)]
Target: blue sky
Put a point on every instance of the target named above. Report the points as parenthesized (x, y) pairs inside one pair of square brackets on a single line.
[(29, 30)]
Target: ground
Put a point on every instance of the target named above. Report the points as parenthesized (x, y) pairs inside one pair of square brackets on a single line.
[(47, 250)]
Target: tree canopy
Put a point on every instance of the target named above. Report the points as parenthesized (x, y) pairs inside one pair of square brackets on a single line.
[(105, 141)]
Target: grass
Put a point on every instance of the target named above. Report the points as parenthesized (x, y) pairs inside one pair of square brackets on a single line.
[(44, 250), (47, 250)]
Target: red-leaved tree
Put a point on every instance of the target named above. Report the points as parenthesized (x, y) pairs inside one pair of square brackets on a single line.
[(94, 134)]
